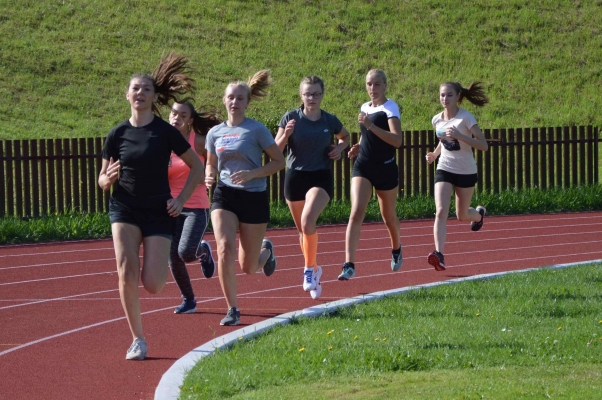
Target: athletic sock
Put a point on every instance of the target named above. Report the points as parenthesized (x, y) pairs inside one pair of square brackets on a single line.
[(310, 249), (396, 253)]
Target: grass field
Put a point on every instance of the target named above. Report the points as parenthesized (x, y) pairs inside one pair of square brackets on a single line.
[(64, 65), (531, 335)]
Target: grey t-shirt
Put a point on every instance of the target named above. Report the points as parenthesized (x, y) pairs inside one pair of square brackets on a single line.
[(309, 144), (239, 148)]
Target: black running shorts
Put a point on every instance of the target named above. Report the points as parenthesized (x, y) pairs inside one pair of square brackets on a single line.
[(458, 180), (381, 176), (298, 183), (249, 207), (148, 214)]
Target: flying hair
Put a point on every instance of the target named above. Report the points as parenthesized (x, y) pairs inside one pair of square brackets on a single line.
[(202, 121), (257, 85), (474, 93), (170, 80)]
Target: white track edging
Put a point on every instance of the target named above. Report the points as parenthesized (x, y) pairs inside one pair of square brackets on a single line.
[(169, 385)]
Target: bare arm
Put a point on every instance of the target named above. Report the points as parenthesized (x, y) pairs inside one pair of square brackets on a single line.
[(343, 137), (109, 173), (477, 140), (431, 157), (284, 133), (392, 137), (211, 170)]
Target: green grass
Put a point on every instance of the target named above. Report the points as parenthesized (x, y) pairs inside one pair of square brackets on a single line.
[(74, 225), (64, 65), (531, 335)]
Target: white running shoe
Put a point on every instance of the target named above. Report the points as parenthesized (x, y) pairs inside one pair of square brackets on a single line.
[(137, 350), (309, 279), (317, 292)]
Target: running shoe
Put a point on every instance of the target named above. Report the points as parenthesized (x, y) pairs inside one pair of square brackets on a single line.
[(317, 292), (206, 258), (232, 317), (475, 226), (187, 307), (436, 260), (396, 261), (270, 264), (137, 350), (348, 272), (311, 278)]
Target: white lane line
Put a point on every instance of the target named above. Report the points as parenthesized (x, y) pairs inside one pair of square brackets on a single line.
[(547, 234), (266, 291), (340, 251), (452, 223), (173, 378)]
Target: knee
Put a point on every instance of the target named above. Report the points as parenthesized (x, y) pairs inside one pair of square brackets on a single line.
[(441, 214), (153, 287), (226, 252), (308, 227), (187, 255), (127, 276), (357, 216)]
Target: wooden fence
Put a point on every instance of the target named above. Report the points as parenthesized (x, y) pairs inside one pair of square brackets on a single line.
[(40, 177)]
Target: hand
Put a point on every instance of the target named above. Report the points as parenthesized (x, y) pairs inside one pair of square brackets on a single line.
[(431, 157), (452, 132), (113, 170), (335, 152), (289, 128), (209, 181), (364, 119), (174, 207), (354, 151), (240, 177)]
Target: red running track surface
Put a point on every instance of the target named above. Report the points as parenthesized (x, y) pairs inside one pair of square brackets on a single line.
[(63, 334)]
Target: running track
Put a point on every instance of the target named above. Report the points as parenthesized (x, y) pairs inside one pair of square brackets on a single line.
[(63, 333)]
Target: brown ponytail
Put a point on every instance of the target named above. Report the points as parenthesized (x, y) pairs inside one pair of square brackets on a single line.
[(202, 120), (170, 80), (257, 84), (474, 93)]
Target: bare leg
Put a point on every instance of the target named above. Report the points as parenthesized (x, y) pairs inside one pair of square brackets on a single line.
[(250, 254), (225, 224), (463, 210), (443, 192), (387, 200), (154, 267), (361, 189), (126, 241)]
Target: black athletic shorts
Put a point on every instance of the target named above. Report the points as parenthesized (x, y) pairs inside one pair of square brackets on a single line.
[(458, 180), (249, 207), (298, 183), (147, 213), (381, 176)]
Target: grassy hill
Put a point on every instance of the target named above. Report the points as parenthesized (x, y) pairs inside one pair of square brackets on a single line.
[(65, 65)]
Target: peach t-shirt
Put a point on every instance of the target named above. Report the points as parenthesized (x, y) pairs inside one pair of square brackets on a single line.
[(178, 173)]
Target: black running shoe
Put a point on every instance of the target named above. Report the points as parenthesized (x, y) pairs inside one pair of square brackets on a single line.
[(232, 317), (206, 259), (475, 226), (436, 260), (270, 264)]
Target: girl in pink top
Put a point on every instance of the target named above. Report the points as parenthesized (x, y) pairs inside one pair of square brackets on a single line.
[(189, 227)]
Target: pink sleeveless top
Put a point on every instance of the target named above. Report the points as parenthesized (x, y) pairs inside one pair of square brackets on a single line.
[(178, 173)]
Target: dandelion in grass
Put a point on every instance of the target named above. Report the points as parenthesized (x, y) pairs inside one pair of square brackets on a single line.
[(240, 338), (329, 332), (384, 339), (355, 338), (560, 328), (376, 339), (600, 322), (478, 314), (302, 349), (329, 347)]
